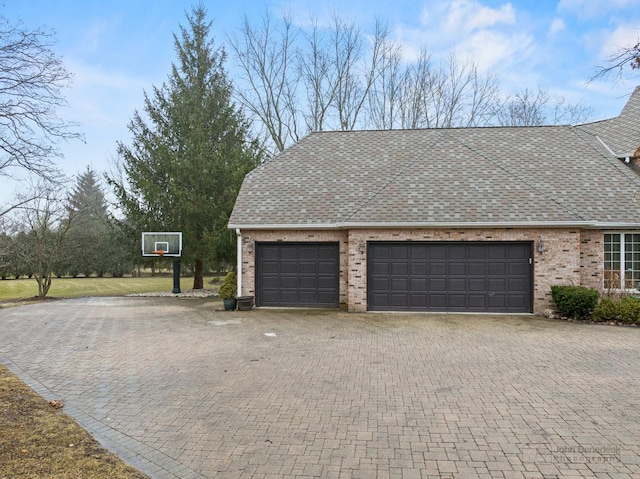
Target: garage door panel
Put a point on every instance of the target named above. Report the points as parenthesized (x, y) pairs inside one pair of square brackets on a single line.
[(399, 252), (497, 269), (325, 282), (270, 253), (399, 300), (477, 284), (437, 284), (516, 301), (307, 282), (478, 301), (497, 301), (379, 284), (418, 301), (457, 301), (457, 284), (458, 267), (437, 301), (399, 268), (418, 252), (477, 269), (437, 268), (523, 252), (520, 269), (399, 284), (477, 253), (496, 284), (464, 276), (306, 267), (418, 268), (288, 266), (297, 274), (270, 267), (380, 269), (326, 268)]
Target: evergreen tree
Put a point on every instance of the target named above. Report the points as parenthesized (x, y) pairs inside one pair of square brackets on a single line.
[(189, 154), (87, 246), (92, 244)]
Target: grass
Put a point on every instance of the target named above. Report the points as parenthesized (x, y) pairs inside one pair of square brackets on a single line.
[(38, 441), (12, 289)]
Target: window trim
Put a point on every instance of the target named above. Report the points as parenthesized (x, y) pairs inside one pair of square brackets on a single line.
[(622, 270)]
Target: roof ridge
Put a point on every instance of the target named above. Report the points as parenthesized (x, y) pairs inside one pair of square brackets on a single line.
[(393, 178), (519, 178), (615, 161)]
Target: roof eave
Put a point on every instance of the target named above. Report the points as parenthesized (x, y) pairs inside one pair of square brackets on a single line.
[(405, 225)]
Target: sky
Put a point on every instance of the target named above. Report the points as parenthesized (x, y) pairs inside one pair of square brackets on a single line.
[(119, 49)]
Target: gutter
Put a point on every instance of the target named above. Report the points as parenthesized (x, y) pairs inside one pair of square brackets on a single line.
[(404, 225), (239, 263)]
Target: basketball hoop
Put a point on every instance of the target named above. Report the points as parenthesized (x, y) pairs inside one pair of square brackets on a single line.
[(159, 252)]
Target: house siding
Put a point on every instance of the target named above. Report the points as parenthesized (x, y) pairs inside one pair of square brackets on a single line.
[(571, 256)]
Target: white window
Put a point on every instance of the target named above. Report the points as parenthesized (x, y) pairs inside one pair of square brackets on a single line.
[(622, 260)]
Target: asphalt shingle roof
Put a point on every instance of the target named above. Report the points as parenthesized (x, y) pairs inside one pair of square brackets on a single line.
[(439, 177), (622, 133)]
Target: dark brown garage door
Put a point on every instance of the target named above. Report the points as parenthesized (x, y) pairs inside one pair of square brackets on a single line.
[(298, 274), (474, 277)]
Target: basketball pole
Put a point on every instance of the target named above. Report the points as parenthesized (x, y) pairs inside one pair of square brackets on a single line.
[(176, 276)]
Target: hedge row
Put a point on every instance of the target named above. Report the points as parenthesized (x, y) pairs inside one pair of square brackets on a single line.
[(626, 310), (579, 302)]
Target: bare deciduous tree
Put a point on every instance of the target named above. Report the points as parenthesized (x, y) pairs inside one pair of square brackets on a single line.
[(265, 55), (625, 56), (341, 78), (535, 108), (43, 224), (32, 79), (452, 94)]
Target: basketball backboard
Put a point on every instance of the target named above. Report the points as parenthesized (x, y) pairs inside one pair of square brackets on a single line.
[(162, 244)]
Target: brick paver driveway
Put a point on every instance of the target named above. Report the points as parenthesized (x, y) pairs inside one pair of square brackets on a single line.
[(180, 390)]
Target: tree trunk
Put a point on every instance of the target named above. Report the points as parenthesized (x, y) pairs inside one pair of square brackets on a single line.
[(44, 283), (198, 273)]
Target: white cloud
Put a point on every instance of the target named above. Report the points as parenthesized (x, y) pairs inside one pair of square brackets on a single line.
[(595, 8), (490, 37), (469, 15), (492, 50), (623, 36), (557, 25)]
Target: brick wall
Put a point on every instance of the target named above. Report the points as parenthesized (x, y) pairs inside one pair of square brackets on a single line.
[(592, 259), (571, 256)]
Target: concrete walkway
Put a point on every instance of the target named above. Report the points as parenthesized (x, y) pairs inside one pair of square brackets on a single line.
[(180, 390)]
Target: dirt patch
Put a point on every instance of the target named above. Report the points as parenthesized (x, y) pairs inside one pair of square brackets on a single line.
[(39, 441)]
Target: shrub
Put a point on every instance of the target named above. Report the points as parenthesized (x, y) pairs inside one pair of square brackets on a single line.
[(629, 310), (606, 310), (575, 302), (228, 288), (626, 310)]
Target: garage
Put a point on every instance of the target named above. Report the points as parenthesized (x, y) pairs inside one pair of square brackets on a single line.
[(493, 277), (298, 275)]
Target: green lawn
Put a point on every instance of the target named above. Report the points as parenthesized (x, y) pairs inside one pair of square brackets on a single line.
[(76, 287)]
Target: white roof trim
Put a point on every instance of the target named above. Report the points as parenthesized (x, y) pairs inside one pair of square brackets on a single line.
[(355, 225)]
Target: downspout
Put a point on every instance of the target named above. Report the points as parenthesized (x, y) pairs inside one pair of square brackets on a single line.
[(239, 265)]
